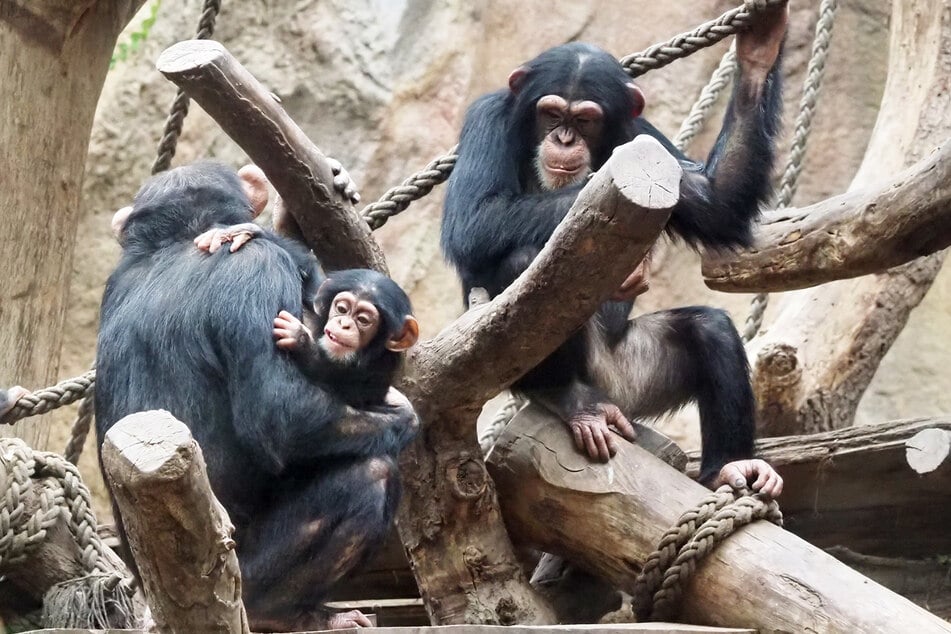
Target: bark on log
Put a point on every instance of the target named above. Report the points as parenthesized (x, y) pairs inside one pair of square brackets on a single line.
[(449, 521), (857, 233), (875, 489), (299, 171), (816, 360), (609, 517), (179, 534), (54, 56)]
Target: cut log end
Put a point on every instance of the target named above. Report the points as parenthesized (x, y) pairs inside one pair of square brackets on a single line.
[(149, 441), (190, 55), (646, 173), (928, 449)]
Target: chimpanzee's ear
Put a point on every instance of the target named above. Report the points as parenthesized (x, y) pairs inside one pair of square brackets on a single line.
[(254, 184), (637, 95), (404, 339), (517, 79)]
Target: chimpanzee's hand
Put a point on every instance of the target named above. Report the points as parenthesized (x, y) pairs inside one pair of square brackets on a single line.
[(9, 398), (739, 473), (758, 46), (237, 235), (290, 332), (345, 620), (637, 283), (593, 434), (343, 183)]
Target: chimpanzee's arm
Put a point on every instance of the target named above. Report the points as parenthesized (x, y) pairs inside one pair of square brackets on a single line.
[(289, 420), (487, 215), (721, 199)]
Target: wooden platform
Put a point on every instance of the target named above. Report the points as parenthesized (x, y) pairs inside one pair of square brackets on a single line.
[(655, 628)]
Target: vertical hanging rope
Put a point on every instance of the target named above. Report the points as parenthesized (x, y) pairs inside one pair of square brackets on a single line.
[(179, 109), (811, 87)]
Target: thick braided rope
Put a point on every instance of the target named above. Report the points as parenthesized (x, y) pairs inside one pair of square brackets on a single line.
[(502, 418), (659, 587), (413, 188), (812, 86), (77, 439), (60, 491), (179, 109), (418, 185), (707, 34), (50, 398)]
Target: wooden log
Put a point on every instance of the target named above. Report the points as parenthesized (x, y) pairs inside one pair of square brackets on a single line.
[(299, 171), (449, 521), (860, 232), (179, 534), (609, 517), (816, 359), (876, 489)]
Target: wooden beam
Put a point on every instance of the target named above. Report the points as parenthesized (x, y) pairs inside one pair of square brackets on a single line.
[(864, 231), (179, 534), (610, 517), (299, 171), (880, 490)]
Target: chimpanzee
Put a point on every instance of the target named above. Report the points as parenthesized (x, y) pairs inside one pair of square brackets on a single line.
[(524, 154), (309, 481), (364, 318)]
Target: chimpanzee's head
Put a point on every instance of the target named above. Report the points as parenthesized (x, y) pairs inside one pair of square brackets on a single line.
[(363, 319), (181, 203), (576, 104)]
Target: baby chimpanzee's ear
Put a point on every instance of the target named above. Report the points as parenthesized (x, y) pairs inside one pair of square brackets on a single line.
[(404, 339)]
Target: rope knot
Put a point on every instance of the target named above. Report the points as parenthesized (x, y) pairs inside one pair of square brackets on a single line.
[(659, 587)]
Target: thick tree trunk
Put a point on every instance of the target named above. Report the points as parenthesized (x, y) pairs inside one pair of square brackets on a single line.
[(53, 60), (179, 534), (610, 517), (816, 360)]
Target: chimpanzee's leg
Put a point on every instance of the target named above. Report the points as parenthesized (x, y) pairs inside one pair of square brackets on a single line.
[(311, 535), (669, 358)]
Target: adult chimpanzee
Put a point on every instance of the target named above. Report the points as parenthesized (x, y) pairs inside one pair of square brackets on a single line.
[(525, 153), (309, 481)]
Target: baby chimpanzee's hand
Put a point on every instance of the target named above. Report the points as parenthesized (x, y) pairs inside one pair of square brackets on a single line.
[(290, 332), (237, 235)]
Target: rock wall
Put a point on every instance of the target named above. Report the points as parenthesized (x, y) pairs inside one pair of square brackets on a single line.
[(382, 85)]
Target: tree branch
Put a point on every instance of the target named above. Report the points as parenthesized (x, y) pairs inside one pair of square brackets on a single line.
[(612, 224), (299, 171), (857, 233)]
